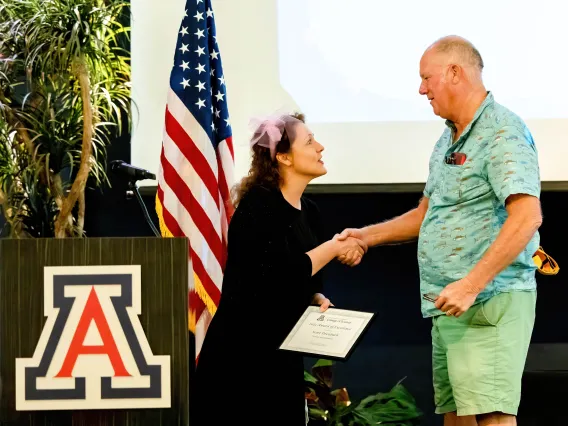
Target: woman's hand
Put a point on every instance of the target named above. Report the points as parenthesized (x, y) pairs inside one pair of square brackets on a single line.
[(322, 301)]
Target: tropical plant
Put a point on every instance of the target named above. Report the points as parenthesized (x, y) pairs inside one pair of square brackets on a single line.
[(328, 407), (64, 94)]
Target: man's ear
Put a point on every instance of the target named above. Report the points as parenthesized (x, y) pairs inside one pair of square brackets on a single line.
[(456, 73), (284, 158)]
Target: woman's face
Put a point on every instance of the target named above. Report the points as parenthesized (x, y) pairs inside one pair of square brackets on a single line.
[(306, 153)]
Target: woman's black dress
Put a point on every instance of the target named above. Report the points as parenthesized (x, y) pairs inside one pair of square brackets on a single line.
[(268, 284)]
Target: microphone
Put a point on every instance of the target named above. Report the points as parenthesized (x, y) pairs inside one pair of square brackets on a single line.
[(131, 172)]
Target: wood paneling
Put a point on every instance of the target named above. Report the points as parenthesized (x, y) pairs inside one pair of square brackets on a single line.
[(164, 268)]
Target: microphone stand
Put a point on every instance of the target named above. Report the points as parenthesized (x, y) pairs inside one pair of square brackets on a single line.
[(134, 190)]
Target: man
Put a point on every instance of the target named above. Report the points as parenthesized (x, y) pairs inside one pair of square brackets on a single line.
[(477, 226)]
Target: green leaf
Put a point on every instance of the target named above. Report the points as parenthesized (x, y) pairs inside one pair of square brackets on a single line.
[(322, 370), (396, 405), (309, 378), (323, 363), (317, 414), (41, 43)]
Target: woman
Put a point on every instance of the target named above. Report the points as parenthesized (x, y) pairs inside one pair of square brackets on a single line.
[(275, 253)]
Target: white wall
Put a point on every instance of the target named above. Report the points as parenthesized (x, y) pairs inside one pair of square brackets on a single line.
[(353, 69)]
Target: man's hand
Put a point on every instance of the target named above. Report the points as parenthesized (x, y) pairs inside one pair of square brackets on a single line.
[(351, 258), (457, 297), (350, 232)]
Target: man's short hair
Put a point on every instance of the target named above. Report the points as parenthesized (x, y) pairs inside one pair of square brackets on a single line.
[(461, 49)]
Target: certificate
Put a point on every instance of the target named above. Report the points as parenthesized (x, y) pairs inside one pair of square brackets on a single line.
[(331, 334)]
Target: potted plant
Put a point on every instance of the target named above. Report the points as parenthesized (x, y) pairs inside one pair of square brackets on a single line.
[(333, 407), (64, 94)]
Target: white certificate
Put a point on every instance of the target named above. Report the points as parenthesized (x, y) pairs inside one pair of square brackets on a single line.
[(330, 334)]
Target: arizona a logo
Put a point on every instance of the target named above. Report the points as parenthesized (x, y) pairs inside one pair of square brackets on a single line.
[(92, 352)]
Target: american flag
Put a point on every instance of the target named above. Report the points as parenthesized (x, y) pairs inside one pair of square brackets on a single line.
[(197, 161)]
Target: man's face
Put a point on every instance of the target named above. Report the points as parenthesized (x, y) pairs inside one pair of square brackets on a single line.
[(435, 85)]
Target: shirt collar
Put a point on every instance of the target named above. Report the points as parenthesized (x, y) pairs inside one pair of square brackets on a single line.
[(489, 100)]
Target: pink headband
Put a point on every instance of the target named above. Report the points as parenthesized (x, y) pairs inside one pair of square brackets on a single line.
[(268, 131)]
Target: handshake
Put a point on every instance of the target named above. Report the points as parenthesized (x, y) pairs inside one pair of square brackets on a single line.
[(350, 246)]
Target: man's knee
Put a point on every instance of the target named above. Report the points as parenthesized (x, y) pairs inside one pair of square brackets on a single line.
[(494, 419), (452, 419)]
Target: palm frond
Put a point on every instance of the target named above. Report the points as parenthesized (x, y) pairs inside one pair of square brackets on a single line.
[(42, 43)]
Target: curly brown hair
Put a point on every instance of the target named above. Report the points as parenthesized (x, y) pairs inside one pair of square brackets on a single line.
[(263, 170)]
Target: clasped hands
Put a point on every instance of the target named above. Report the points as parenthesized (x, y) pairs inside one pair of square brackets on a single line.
[(350, 247)]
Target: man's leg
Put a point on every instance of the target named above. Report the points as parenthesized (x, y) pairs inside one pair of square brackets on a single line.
[(494, 419), (451, 419), (491, 419), (486, 353), (443, 397)]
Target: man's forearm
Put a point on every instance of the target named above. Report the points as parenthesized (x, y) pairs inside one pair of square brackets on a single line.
[(515, 234), (401, 229)]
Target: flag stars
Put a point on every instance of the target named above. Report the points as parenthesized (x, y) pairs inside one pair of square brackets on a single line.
[(212, 71), (200, 103), (209, 13), (200, 85), (228, 122), (214, 54), (199, 16), (200, 33), (222, 80), (183, 31), (185, 83), (184, 65), (184, 48), (220, 96), (199, 1), (200, 51), (200, 68), (213, 126), (217, 113)]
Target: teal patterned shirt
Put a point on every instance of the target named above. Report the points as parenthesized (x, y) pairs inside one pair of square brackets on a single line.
[(467, 203)]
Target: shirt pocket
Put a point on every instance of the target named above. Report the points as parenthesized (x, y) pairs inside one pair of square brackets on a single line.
[(451, 183), (463, 183)]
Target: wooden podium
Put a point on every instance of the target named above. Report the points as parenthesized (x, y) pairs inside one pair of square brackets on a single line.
[(47, 317)]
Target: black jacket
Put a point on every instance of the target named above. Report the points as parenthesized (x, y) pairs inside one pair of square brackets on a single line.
[(267, 286)]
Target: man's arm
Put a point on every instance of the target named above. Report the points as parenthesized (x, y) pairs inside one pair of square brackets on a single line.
[(401, 229), (524, 219)]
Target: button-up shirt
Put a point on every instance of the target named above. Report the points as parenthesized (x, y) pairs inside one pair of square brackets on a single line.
[(466, 208)]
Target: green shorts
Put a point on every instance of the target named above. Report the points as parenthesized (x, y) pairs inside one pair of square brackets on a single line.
[(478, 359)]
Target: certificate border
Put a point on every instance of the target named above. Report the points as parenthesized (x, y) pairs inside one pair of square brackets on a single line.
[(323, 356)]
